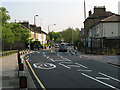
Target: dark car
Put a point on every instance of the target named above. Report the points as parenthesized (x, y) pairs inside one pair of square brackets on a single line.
[(63, 47)]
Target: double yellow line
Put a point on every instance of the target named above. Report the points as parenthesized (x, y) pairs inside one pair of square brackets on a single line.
[(40, 83)]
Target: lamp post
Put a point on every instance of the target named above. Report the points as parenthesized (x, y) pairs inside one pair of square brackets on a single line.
[(35, 20), (48, 28), (50, 25), (35, 24)]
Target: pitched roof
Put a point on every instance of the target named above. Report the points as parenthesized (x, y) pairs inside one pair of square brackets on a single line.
[(113, 18)]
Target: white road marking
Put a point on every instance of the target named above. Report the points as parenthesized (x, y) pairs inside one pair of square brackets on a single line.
[(109, 77), (44, 55), (60, 60), (61, 56), (58, 54), (67, 59), (81, 65), (64, 65), (73, 65), (84, 70), (80, 57), (66, 62), (44, 65), (99, 81), (47, 57), (102, 78), (52, 60)]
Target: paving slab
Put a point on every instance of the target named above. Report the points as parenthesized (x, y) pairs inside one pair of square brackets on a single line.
[(10, 72)]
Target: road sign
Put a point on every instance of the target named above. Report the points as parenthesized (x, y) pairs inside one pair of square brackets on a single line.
[(53, 39)]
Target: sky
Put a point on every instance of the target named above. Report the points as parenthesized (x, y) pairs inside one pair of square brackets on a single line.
[(63, 13)]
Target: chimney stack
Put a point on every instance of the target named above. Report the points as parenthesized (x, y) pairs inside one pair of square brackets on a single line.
[(90, 12)]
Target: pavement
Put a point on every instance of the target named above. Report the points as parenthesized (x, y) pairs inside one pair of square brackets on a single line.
[(111, 59), (9, 77)]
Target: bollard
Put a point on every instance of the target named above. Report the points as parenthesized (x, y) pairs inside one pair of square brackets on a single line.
[(20, 70), (18, 56), (21, 67), (23, 82), (19, 60)]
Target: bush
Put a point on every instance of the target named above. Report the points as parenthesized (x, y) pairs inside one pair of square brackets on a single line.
[(80, 44), (102, 53), (113, 51)]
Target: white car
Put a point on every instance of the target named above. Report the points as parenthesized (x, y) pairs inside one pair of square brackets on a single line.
[(56, 46)]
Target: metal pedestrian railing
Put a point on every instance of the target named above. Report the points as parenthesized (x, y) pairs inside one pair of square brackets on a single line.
[(6, 53)]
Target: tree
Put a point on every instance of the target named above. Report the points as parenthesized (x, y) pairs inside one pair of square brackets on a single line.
[(69, 34), (11, 32), (5, 15), (57, 36), (21, 34), (7, 36)]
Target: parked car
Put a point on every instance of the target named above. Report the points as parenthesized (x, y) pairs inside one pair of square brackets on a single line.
[(56, 46), (63, 47)]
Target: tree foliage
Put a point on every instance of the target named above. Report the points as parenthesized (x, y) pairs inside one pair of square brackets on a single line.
[(5, 15), (7, 34), (11, 32), (69, 35), (57, 36)]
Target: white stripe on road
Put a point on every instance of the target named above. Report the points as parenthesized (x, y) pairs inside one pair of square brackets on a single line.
[(64, 65), (67, 59), (80, 57), (99, 81), (47, 57), (109, 77), (81, 65), (44, 55), (52, 60), (102, 78), (84, 70), (73, 65), (60, 60)]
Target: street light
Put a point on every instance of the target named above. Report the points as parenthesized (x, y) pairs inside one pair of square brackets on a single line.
[(35, 25), (35, 20), (50, 25), (48, 29)]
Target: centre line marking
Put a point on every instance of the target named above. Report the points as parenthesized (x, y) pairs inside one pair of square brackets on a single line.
[(40, 83), (64, 65), (102, 78), (99, 81), (84, 70), (73, 65), (109, 77), (52, 60), (81, 65), (47, 57)]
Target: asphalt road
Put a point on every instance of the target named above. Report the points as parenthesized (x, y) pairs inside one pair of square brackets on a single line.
[(63, 70)]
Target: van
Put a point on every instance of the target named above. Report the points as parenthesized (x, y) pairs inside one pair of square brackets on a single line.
[(62, 47)]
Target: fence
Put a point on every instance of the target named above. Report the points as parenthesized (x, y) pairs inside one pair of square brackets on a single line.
[(104, 45), (6, 53)]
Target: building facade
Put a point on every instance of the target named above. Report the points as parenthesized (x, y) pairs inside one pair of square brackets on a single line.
[(35, 32)]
